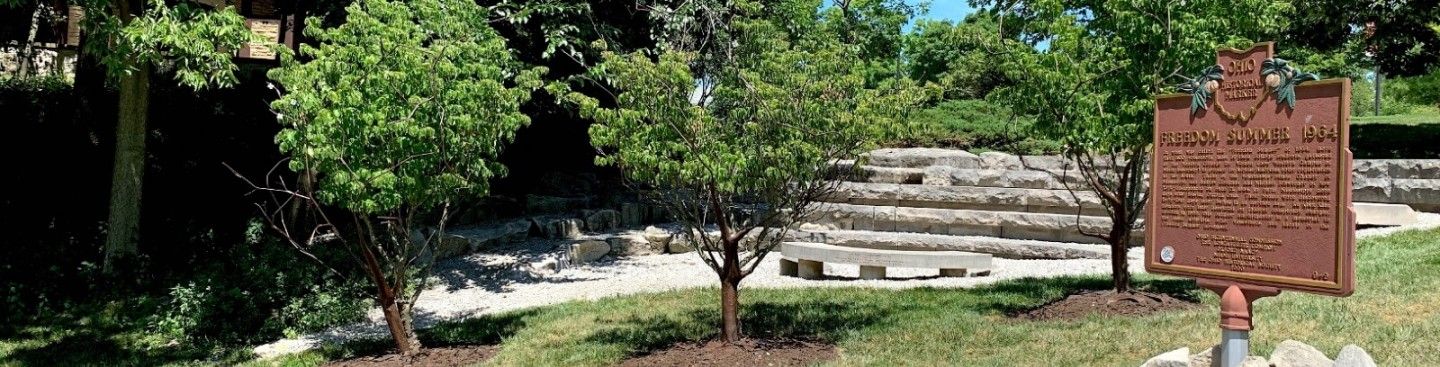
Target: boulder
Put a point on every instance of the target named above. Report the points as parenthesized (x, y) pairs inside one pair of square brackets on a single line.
[(451, 245), (493, 234), (1175, 358), (632, 215), (680, 246), (1255, 361), (601, 220), (545, 267), (1353, 356), (555, 227), (1210, 357), (658, 239), (631, 244), (586, 251), (1292, 353)]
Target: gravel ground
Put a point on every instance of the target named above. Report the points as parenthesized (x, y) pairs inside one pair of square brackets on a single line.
[(500, 280)]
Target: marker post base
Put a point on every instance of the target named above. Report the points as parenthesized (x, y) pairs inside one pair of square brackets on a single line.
[(1236, 301)]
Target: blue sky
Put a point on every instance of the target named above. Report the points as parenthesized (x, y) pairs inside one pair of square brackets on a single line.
[(951, 10)]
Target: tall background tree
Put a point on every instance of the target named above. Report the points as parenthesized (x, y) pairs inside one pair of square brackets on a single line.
[(131, 39), (1398, 37), (397, 113), (736, 123), (1092, 88)]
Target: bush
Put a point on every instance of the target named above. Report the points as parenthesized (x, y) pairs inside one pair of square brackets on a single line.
[(1394, 98), (1421, 90), (266, 291), (976, 125)]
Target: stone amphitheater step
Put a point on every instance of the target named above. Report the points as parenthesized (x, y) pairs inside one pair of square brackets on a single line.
[(1000, 247), (966, 197), (926, 157), (964, 222)]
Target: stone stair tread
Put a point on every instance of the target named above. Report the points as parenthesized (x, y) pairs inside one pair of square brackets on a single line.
[(1000, 247), (1007, 224), (967, 197)]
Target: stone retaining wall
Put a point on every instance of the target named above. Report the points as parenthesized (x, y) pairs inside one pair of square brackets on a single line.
[(1413, 182)]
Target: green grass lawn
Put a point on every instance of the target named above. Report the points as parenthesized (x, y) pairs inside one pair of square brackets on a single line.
[(1395, 315), (1426, 116)]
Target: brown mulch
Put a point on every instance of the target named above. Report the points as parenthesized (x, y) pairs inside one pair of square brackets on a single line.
[(450, 356), (1106, 303), (748, 352)]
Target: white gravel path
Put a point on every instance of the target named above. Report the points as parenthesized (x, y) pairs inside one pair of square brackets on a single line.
[(498, 281)]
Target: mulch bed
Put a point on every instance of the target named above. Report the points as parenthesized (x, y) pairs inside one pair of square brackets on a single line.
[(1106, 303), (748, 352), (449, 356)]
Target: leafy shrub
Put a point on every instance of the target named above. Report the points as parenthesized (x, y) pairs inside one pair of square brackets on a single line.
[(265, 291), (1393, 100), (1421, 90), (976, 125)]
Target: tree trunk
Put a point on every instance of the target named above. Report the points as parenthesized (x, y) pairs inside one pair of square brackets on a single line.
[(398, 318), (1119, 258), (27, 50), (730, 292), (125, 184)]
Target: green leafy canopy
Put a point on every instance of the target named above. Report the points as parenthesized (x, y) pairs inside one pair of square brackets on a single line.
[(406, 103), (191, 41), (779, 106)]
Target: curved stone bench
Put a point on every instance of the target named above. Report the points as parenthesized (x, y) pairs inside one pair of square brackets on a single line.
[(807, 260)]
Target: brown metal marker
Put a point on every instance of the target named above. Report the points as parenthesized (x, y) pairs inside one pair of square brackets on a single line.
[(1251, 186)]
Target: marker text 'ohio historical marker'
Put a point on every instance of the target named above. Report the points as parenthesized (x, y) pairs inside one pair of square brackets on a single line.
[(1251, 178)]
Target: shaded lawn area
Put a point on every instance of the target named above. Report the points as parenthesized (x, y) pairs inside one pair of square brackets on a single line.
[(1422, 117), (105, 335), (1395, 315)]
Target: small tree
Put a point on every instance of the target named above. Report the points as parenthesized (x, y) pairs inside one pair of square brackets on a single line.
[(1093, 88), (397, 112), (735, 125)]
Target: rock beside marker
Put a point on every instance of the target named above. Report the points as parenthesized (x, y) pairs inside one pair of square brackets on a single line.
[(1175, 358), (1352, 356), (1289, 353), (1292, 353)]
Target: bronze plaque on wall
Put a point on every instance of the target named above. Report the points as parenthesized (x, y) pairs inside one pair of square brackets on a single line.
[(1251, 183)]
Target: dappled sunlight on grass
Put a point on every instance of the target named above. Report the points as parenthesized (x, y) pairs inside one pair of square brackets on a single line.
[(1394, 314)]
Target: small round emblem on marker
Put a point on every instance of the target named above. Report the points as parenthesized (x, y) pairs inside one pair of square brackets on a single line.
[(1167, 254)]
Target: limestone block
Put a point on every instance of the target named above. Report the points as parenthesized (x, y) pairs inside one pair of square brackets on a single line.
[(586, 251), (922, 157), (1378, 214), (789, 267), (1292, 353), (631, 244), (810, 269), (872, 272), (1000, 160)]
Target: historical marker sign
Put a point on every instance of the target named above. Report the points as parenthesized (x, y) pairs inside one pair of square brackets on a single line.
[(1251, 178)]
